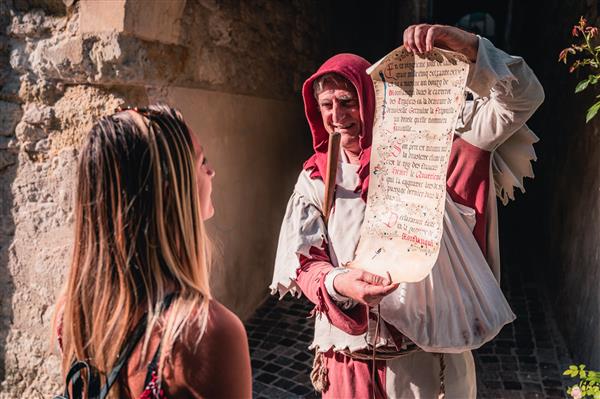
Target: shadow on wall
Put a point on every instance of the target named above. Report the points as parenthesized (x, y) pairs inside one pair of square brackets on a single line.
[(7, 286)]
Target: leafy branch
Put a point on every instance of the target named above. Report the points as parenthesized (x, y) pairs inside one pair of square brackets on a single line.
[(587, 55), (589, 382)]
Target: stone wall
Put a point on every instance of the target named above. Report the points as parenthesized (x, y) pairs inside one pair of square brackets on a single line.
[(560, 246), (234, 69)]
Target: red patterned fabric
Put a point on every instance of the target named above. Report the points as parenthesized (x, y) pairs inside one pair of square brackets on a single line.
[(153, 390)]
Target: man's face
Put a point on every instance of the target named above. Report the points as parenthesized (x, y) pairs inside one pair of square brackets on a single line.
[(340, 111)]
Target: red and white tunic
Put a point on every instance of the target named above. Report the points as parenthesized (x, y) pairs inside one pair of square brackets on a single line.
[(459, 306)]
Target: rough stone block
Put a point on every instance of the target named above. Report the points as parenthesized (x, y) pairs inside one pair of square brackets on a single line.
[(10, 114), (38, 115), (29, 25), (66, 53), (18, 59), (160, 22), (40, 90), (99, 16)]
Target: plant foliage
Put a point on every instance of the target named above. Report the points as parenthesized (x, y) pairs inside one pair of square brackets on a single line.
[(586, 55), (588, 385)]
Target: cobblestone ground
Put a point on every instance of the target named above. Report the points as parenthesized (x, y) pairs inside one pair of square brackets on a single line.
[(525, 360)]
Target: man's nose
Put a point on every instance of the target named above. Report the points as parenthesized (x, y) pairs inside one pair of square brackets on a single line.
[(338, 113)]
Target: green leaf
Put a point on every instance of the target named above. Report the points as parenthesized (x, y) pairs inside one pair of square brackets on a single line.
[(592, 111), (573, 367), (581, 86), (582, 374), (582, 366), (594, 79)]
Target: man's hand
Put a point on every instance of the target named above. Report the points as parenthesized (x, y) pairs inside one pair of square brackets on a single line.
[(364, 287), (423, 37)]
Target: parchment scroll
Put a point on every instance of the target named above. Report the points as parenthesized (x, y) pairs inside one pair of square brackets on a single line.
[(418, 101)]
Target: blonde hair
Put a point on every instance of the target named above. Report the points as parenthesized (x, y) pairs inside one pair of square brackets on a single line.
[(139, 236)]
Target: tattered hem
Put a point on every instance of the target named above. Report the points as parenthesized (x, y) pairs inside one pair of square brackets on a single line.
[(282, 289)]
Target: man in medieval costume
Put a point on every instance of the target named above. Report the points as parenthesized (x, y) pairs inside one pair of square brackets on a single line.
[(428, 328)]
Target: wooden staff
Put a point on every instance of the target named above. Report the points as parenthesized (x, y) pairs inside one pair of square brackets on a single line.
[(333, 155)]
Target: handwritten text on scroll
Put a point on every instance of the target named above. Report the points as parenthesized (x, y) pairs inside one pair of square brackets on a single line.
[(418, 101)]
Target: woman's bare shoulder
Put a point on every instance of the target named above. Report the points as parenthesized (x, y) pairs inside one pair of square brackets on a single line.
[(223, 326), (220, 358)]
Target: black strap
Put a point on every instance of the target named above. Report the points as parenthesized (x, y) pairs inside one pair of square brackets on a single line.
[(94, 391), (123, 357), (74, 379)]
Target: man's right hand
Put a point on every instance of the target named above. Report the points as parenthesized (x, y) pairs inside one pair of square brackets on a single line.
[(364, 287)]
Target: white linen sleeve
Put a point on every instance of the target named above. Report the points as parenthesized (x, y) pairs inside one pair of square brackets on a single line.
[(507, 93), (302, 228)]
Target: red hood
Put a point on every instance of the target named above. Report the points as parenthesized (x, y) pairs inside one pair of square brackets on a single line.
[(353, 68)]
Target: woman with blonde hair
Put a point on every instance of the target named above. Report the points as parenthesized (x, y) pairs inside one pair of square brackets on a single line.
[(137, 319)]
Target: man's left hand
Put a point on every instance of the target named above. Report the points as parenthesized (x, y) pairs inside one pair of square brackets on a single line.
[(423, 37)]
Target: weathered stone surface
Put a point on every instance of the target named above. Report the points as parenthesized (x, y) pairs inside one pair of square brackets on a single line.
[(38, 115), (29, 135), (161, 22), (65, 54), (39, 89), (107, 58), (19, 58), (41, 223), (32, 24), (76, 112), (10, 114)]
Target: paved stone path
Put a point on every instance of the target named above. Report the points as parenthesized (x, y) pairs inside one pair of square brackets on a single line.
[(524, 361)]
